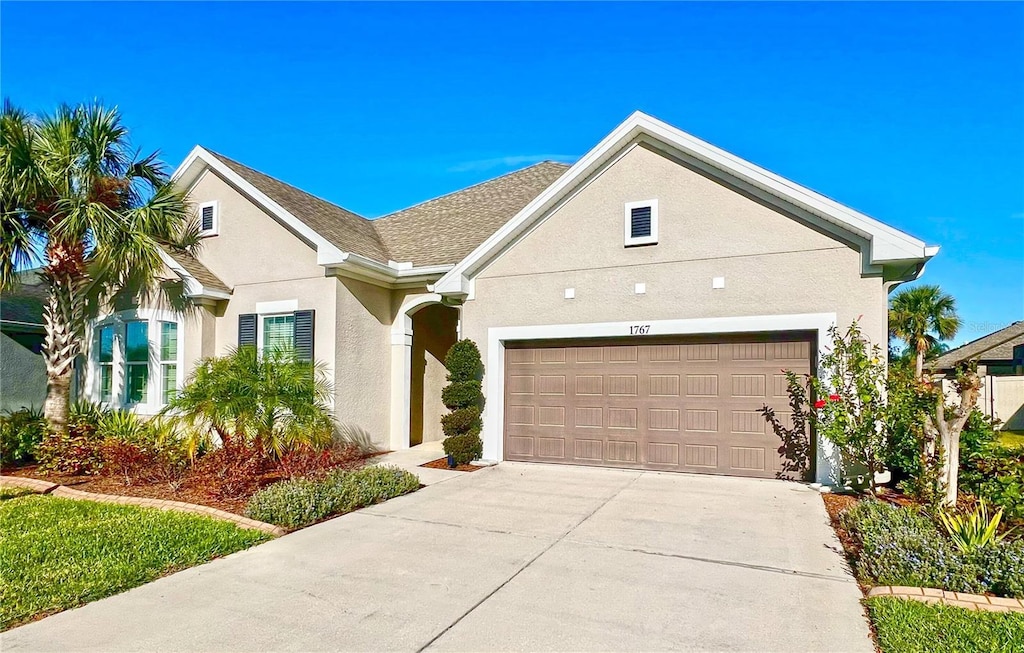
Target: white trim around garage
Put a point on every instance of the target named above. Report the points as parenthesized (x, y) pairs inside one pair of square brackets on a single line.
[(826, 465)]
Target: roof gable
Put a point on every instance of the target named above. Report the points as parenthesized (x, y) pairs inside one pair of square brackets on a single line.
[(884, 245)]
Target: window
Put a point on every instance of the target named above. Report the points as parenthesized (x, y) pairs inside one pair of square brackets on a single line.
[(137, 360), (209, 217), (168, 361), (641, 223), (105, 358), (136, 357), (278, 332)]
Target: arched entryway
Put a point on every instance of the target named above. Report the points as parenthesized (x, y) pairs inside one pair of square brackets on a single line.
[(422, 334)]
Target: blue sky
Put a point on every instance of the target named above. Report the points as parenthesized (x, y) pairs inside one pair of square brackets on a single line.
[(912, 113)]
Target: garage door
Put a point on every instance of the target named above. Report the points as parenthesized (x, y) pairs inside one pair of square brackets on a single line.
[(687, 405)]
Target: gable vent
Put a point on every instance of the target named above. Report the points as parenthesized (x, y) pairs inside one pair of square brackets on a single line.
[(640, 222), (208, 218)]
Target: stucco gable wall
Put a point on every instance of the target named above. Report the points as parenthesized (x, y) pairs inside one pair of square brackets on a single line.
[(772, 263), (251, 246)]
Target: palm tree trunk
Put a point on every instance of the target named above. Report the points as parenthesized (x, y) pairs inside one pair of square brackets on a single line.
[(919, 364), (64, 324)]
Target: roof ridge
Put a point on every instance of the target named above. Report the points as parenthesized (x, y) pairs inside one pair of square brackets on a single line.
[(470, 187), (988, 335)]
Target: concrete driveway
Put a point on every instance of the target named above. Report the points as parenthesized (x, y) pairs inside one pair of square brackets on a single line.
[(514, 557)]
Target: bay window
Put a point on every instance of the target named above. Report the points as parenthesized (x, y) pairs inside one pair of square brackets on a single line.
[(136, 360)]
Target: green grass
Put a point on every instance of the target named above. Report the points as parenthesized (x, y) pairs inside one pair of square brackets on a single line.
[(1011, 439), (57, 553), (906, 626)]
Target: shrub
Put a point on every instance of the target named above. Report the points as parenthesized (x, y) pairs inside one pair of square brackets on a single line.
[(77, 451), (464, 398), (232, 470), (464, 448), (463, 362), (123, 425), (903, 546), (997, 475), (972, 530), (125, 459), (21, 431), (271, 400), (301, 502), (309, 463)]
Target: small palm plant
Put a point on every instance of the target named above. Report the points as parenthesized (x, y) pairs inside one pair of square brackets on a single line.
[(271, 400), (973, 530)]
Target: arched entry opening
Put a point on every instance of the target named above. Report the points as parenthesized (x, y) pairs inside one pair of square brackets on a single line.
[(423, 332)]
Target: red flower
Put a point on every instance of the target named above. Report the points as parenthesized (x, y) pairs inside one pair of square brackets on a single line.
[(833, 397), (819, 403)]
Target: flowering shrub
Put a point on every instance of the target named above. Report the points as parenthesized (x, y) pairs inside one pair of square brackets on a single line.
[(853, 415), (903, 546)]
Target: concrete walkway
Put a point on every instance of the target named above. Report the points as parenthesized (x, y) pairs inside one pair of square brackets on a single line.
[(513, 557)]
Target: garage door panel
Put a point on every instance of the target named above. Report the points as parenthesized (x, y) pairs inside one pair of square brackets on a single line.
[(688, 405)]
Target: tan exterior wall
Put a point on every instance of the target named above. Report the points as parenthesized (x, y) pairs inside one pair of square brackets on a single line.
[(434, 332), (772, 264), (251, 247)]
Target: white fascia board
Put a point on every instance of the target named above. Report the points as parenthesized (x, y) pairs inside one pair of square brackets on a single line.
[(375, 271), (193, 288), (886, 243)]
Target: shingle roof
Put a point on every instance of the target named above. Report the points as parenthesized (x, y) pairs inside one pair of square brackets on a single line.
[(24, 303), (446, 229), (346, 230), (994, 346), (199, 272), (436, 232)]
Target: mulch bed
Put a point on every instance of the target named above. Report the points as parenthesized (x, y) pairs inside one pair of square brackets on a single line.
[(835, 504), (442, 463)]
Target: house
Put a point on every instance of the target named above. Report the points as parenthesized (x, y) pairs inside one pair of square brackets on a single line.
[(635, 309), (22, 370), (1000, 360)]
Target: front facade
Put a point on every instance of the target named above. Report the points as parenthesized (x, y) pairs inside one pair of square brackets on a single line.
[(634, 310)]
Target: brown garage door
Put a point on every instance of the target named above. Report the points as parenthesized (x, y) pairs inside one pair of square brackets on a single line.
[(676, 405)]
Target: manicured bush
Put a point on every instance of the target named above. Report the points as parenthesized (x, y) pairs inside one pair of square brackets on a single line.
[(300, 502), (903, 546), (21, 431), (464, 398)]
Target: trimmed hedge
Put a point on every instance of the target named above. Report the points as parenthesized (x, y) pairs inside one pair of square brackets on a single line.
[(301, 502), (903, 546)]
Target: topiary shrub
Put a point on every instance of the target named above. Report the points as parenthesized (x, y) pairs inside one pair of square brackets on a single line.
[(465, 399)]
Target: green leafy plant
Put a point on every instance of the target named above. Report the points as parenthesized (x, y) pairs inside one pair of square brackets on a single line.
[(464, 398), (973, 530), (78, 450), (850, 407), (21, 431), (300, 502), (273, 401)]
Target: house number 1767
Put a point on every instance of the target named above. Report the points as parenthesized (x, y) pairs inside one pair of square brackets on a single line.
[(639, 329)]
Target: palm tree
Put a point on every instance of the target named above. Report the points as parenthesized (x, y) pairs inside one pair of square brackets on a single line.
[(75, 197), (923, 316)]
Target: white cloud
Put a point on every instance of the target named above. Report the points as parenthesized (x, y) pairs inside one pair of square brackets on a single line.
[(510, 162)]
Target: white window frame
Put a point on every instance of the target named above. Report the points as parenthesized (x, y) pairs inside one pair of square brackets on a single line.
[(628, 223), (216, 219), (154, 382), (163, 363), (260, 317)]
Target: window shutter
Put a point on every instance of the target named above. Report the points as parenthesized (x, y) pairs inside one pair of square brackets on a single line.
[(208, 218), (247, 330), (640, 222), (303, 332)]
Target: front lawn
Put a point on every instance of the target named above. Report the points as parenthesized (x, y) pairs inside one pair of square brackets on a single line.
[(58, 553), (905, 626), (1011, 439)]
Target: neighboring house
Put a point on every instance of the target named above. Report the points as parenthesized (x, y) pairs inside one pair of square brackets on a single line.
[(22, 370), (1000, 360), (634, 310)]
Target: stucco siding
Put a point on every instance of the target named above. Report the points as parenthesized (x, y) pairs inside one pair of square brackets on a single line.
[(251, 247), (22, 372), (772, 263)]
